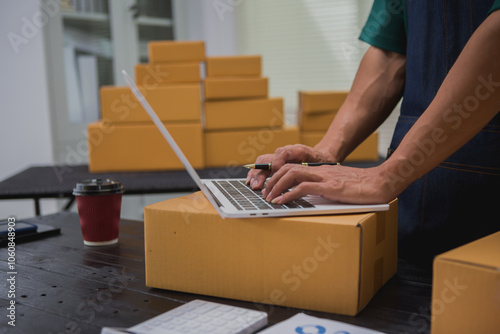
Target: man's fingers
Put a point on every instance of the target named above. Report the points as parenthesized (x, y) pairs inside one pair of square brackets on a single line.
[(258, 176), (303, 189), (288, 177)]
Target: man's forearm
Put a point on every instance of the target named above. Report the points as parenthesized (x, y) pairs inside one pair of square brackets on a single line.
[(377, 88), (467, 100)]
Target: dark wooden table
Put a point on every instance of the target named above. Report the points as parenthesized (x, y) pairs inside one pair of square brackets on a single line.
[(38, 182), (58, 181), (62, 286)]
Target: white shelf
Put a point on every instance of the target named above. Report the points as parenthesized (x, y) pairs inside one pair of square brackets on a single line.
[(85, 16), (153, 21)]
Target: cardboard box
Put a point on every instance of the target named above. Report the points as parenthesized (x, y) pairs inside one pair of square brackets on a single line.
[(466, 288), (317, 101), (235, 88), (141, 147), (366, 151), (176, 51), (153, 75), (233, 148), (244, 114), (317, 121), (234, 66), (175, 103), (324, 263)]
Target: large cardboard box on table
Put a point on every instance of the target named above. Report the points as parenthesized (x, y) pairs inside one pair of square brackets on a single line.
[(172, 103), (141, 147), (231, 148), (159, 74), (176, 51), (235, 88), (466, 288), (325, 263), (244, 114), (366, 151), (229, 66)]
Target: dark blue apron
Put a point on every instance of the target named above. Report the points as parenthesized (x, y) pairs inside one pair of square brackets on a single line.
[(458, 201)]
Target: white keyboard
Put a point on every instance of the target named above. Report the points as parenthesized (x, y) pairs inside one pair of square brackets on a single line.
[(200, 316)]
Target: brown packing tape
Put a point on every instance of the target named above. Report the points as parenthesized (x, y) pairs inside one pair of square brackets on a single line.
[(378, 260), (378, 274)]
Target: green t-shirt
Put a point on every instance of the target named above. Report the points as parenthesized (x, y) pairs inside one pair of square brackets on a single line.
[(387, 25)]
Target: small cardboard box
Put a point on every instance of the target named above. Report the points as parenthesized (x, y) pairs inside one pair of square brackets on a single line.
[(366, 151), (324, 263), (174, 103), (317, 121), (466, 288), (176, 51), (244, 114), (318, 101), (235, 88), (141, 147), (233, 148), (153, 75), (234, 66)]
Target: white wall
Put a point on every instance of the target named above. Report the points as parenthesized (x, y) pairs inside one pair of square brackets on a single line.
[(25, 135), (211, 21)]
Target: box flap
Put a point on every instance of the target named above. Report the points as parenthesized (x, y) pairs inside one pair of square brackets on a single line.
[(484, 252)]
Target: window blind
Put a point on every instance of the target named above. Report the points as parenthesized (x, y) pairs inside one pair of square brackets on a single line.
[(306, 45)]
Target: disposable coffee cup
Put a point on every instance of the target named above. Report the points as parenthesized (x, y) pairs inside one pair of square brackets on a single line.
[(99, 204)]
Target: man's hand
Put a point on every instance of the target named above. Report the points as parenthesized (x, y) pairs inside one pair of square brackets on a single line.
[(336, 183), (290, 153)]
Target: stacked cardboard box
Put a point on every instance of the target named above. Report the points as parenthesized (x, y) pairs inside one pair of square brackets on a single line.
[(466, 288), (317, 110), (224, 120), (126, 139), (241, 121)]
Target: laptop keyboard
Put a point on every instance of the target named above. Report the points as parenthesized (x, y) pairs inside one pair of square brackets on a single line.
[(245, 198)]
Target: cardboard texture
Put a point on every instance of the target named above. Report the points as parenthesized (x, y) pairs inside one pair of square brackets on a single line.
[(366, 151), (175, 103), (466, 288), (234, 66), (235, 88), (152, 75), (318, 121), (244, 114), (176, 51), (324, 263), (318, 101), (141, 147), (233, 148)]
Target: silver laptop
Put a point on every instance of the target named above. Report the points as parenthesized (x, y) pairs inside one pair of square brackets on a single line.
[(232, 198)]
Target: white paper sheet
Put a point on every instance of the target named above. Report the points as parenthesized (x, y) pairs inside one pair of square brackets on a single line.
[(305, 324)]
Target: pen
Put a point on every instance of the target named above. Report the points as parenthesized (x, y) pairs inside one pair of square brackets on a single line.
[(311, 164)]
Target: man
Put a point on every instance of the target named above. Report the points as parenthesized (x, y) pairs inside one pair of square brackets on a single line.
[(443, 58)]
